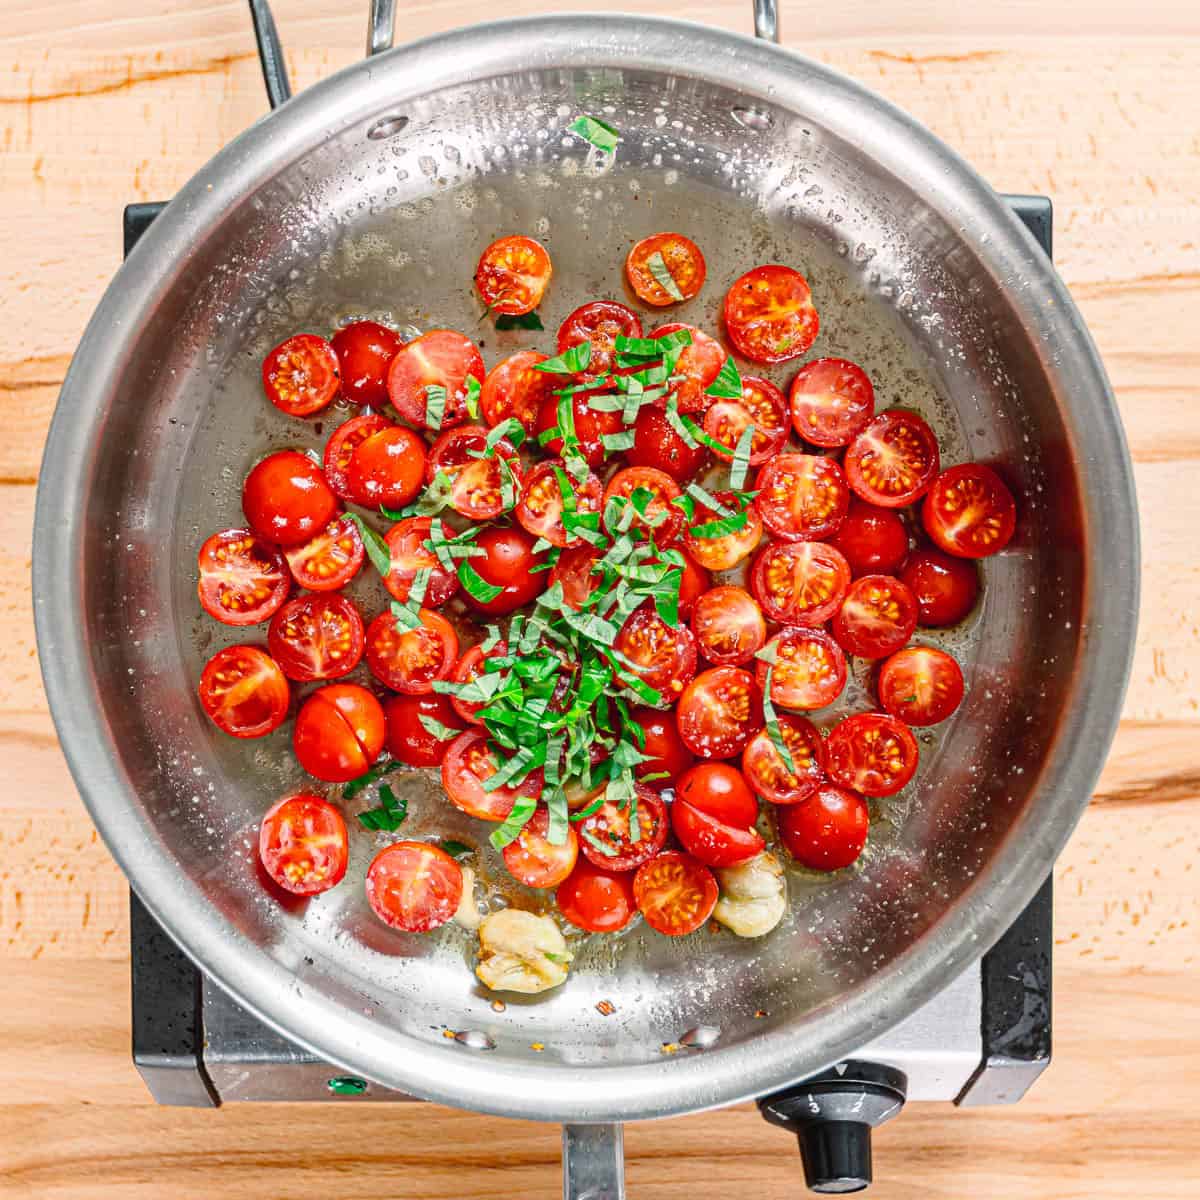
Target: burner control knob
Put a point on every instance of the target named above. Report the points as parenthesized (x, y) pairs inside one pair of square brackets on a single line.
[(832, 1115)]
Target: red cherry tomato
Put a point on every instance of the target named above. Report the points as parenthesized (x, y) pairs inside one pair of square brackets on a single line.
[(608, 833), (675, 893), (832, 401), (718, 790), (300, 376), (969, 511), (365, 350), (719, 712), (699, 364), (657, 445), (601, 322), (339, 732), (596, 900), (872, 754), (762, 405), (590, 426), (387, 468), (828, 831), (243, 580), (574, 571), (678, 256), (800, 583), (469, 668), (408, 739), (662, 518), (507, 562), (514, 389), (729, 626), (316, 637), (769, 315), (413, 886), (802, 497), (439, 358), (893, 461), (920, 685), (513, 275), (411, 660), (409, 554), (768, 774), (723, 551), (809, 670), (877, 617), (664, 748), (341, 446), (303, 845), (482, 486), (694, 581), (330, 560), (536, 861), (543, 501), (468, 764), (872, 540), (662, 657), (286, 499), (946, 588), (244, 692)]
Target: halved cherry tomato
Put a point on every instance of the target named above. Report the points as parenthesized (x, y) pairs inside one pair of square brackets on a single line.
[(514, 389), (662, 518), (802, 497), (387, 468), (596, 900), (469, 668), (664, 749), (480, 484), (726, 550), (969, 511), (769, 315), (719, 791), (770, 776), (409, 554), (286, 499), (800, 583), (832, 401), (590, 426), (699, 364), (513, 274), (762, 405), (607, 835), (893, 461), (300, 376), (694, 581), (339, 732), (920, 685), (507, 562), (468, 764), (872, 540), (243, 580), (244, 692), (662, 657), (872, 754), (601, 322), (341, 446), (574, 571), (414, 886), (719, 712), (877, 617), (675, 893), (946, 588), (316, 637), (365, 350), (330, 560), (536, 861), (657, 445), (828, 831), (303, 845), (439, 358), (411, 660), (729, 626), (408, 739), (679, 256), (809, 669), (543, 501)]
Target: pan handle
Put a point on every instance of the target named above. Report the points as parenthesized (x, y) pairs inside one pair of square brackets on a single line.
[(381, 26), (766, 20), (593, 1162)]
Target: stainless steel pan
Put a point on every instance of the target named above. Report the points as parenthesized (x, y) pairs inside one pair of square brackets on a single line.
[(372, 192)]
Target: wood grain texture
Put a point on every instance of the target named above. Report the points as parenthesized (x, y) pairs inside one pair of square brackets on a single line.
[(101, 105)]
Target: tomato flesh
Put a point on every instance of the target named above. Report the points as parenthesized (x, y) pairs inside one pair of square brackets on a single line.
[(316, 637), (244, 692), (339, 732), (303, 845), (762, 405), (946, 588), (440, 358), (300, 376), (408, 739), (770, 776), (800, 583), (661, 656), (657, 445), (770, 316), (969, 512), (601, 322), (574, 571), (468, 764), (607, 834), (719, 712), (330, 560), (920, 685), (828, 831), (808, 671), (597, 900), (341, 446), (482, 485), (365, 350), (893, 461), (286, 499), (536, 861), (409, 554), (513, 389), (675, 893), (682, 261), (387, 469), (728, 625), (873, 540), (723, 551), (513, 274), (802, 497), (413, 886), (661, 517), (544, 501), (876, 618), (872, 754), (411, 660), (832, 401), (243, 580)]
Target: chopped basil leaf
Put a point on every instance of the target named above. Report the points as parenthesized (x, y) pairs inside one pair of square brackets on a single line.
[(614, 442), (472, 397), (376, 547), (681, 431), (724, 525), (772, 723), (708, 500), (596, 844), (433, 726), (407, 618), (390, 814), (510, 429), (431, 501), (560, 959), (600, 133), (728, 383), (653, 776), (435, 405), (662, 274), (457, 849), (517, 819), (376, 773), (478, 587), (529, 320), (571, 361), (741, 457), (703, 438)]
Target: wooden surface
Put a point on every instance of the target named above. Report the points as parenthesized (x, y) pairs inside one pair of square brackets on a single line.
[(102, 104)]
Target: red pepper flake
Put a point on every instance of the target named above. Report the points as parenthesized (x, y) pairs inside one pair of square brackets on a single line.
[(606, 1008), (760, 1013), (499, 1006), (670, 1047)]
